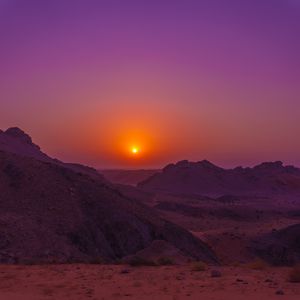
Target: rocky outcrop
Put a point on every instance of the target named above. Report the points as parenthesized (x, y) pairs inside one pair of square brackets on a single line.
[(14, 140), (17, 133), (280, 247)]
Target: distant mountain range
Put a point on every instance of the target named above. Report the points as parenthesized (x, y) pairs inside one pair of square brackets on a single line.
[(51, 211), (205, 178), (130, 177)]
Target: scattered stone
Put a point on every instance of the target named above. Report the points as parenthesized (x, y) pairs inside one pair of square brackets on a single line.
[(124, 271), (279, 292)]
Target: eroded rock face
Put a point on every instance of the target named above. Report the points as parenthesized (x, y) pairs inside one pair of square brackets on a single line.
[(53, 213), (280, 247)]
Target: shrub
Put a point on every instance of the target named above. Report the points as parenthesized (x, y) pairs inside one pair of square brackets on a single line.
[(118, 262), (165, 261), (258, 264), (97, 261), (137, 261), (294, 275), (199, 266), (215, 273)]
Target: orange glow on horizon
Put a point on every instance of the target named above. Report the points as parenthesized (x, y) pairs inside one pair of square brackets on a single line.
[(132, 135)]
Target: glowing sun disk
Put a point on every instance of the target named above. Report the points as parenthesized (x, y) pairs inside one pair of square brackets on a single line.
[(134, 150)]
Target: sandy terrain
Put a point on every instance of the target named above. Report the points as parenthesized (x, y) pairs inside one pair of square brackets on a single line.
[(170, 282)]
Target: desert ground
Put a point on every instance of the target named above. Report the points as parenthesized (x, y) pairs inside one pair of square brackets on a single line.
[(101, 282)]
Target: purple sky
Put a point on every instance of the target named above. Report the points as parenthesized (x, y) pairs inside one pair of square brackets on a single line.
[(182, 79)]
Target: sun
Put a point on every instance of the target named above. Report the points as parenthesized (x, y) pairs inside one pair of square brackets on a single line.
[(134, 150)]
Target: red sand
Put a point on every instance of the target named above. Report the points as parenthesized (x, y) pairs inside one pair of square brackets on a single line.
[(171, 282)]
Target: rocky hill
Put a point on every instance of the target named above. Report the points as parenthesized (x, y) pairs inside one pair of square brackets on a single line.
[(56, 212)]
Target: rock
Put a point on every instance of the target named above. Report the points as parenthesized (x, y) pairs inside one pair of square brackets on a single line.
[(124, 271), (215, 273), (279, 247), (18, 133), (279, 292)]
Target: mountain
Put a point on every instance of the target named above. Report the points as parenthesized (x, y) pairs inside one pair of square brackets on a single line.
[(129, 177), (56, 212), (205, 178)]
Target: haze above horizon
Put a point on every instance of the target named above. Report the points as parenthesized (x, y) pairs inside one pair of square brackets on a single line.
[(140, 84)]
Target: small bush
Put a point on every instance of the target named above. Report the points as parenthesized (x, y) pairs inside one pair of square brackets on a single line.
[(137, 261), (235, 264), (199, 266), (165, 261), (28, 262), (215, 273), (294, 275), (97, 261), (118, 262), (258, 264)]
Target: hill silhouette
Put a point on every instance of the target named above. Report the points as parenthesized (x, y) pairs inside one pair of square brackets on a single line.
[(52, 211)]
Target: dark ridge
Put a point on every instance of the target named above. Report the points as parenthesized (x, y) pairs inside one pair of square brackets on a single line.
[(205, 178), (56, 212)]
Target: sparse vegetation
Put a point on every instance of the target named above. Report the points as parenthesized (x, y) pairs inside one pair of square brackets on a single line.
[(235, 264), (215, 273), (137, 261), (97, 261), (165, 261), (257, 264), (118, 262), (199, 266), (294, 275)]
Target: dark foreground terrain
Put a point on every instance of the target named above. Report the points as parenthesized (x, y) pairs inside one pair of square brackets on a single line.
[(190, 231), (65, 213)]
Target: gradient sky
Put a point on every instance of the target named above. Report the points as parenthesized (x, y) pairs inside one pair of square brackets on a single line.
[(188, 79)]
